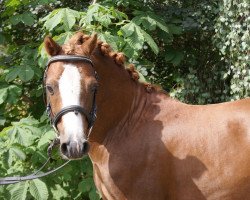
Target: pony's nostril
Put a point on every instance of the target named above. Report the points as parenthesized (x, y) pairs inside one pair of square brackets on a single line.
[(64, 148), (85, 147), (73, 149)]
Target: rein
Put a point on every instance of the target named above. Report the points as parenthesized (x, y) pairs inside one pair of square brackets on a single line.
[(17, 179), (54, 119)]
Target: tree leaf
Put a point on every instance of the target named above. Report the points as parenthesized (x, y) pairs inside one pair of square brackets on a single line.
[(128, 29), (174, 56), (44, 19), (13, 3), (3, 94), (28, 18), (2, 120), (15, 19), (150, 42), (93, 195), (170, 54), (62, 38), (159, 22), (38, 189), (26, 73), (175, 29), (149, 23), (85, 185), (65, 16), (136, 39), (59, 192), (46, 138), (110, 39), (2, 38), (14, 93), (129, 51), (9, 158), (91, 12), (105, 20), (12, 74), (118, 14), (177, 58), (18, 152), (149, 20), (54, 20), (29, 121), (18, 191), (24, 137), (69, 18), (33, 130), (162, 26)]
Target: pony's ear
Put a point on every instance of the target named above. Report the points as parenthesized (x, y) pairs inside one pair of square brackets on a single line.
[(89, 45), (52, 48)]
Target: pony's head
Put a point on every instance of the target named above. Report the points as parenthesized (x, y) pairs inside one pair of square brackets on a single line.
[(70, 83)]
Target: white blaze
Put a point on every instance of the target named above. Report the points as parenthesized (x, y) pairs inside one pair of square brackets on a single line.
[(70, 89)]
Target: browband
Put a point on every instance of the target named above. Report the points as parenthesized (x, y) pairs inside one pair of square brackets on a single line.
[(68, 58)]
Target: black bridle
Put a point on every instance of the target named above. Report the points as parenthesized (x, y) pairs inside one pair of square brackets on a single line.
[(90, 116), (55, 118)]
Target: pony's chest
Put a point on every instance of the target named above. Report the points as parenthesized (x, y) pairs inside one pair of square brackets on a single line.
[(103, 173), (119, 176), (105, 183)]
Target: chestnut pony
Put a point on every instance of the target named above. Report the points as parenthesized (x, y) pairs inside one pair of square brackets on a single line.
[(144, 144)]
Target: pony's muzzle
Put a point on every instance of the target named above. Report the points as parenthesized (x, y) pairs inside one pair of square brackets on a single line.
[(74, 150)]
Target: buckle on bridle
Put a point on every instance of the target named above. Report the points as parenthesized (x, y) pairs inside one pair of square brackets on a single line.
[(48, 109), (54, 143)]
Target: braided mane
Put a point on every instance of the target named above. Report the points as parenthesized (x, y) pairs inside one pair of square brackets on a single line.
[(118, 57)]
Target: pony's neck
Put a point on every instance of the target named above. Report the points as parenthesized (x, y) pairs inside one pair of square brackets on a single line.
[(115, 96)]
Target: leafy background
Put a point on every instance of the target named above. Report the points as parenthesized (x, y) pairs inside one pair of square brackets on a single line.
[(198, 51)]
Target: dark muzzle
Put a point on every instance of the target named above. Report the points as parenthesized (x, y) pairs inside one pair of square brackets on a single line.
[(74, 149)]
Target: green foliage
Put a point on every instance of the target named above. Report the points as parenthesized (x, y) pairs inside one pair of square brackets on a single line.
[(62, 16), (22, 190), (232, 38), (38, 189), (23, 150), (206, 62), (18, 191), (198, 51), (25, 18)]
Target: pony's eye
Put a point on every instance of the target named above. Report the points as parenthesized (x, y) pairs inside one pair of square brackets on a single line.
[(50, 89)]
